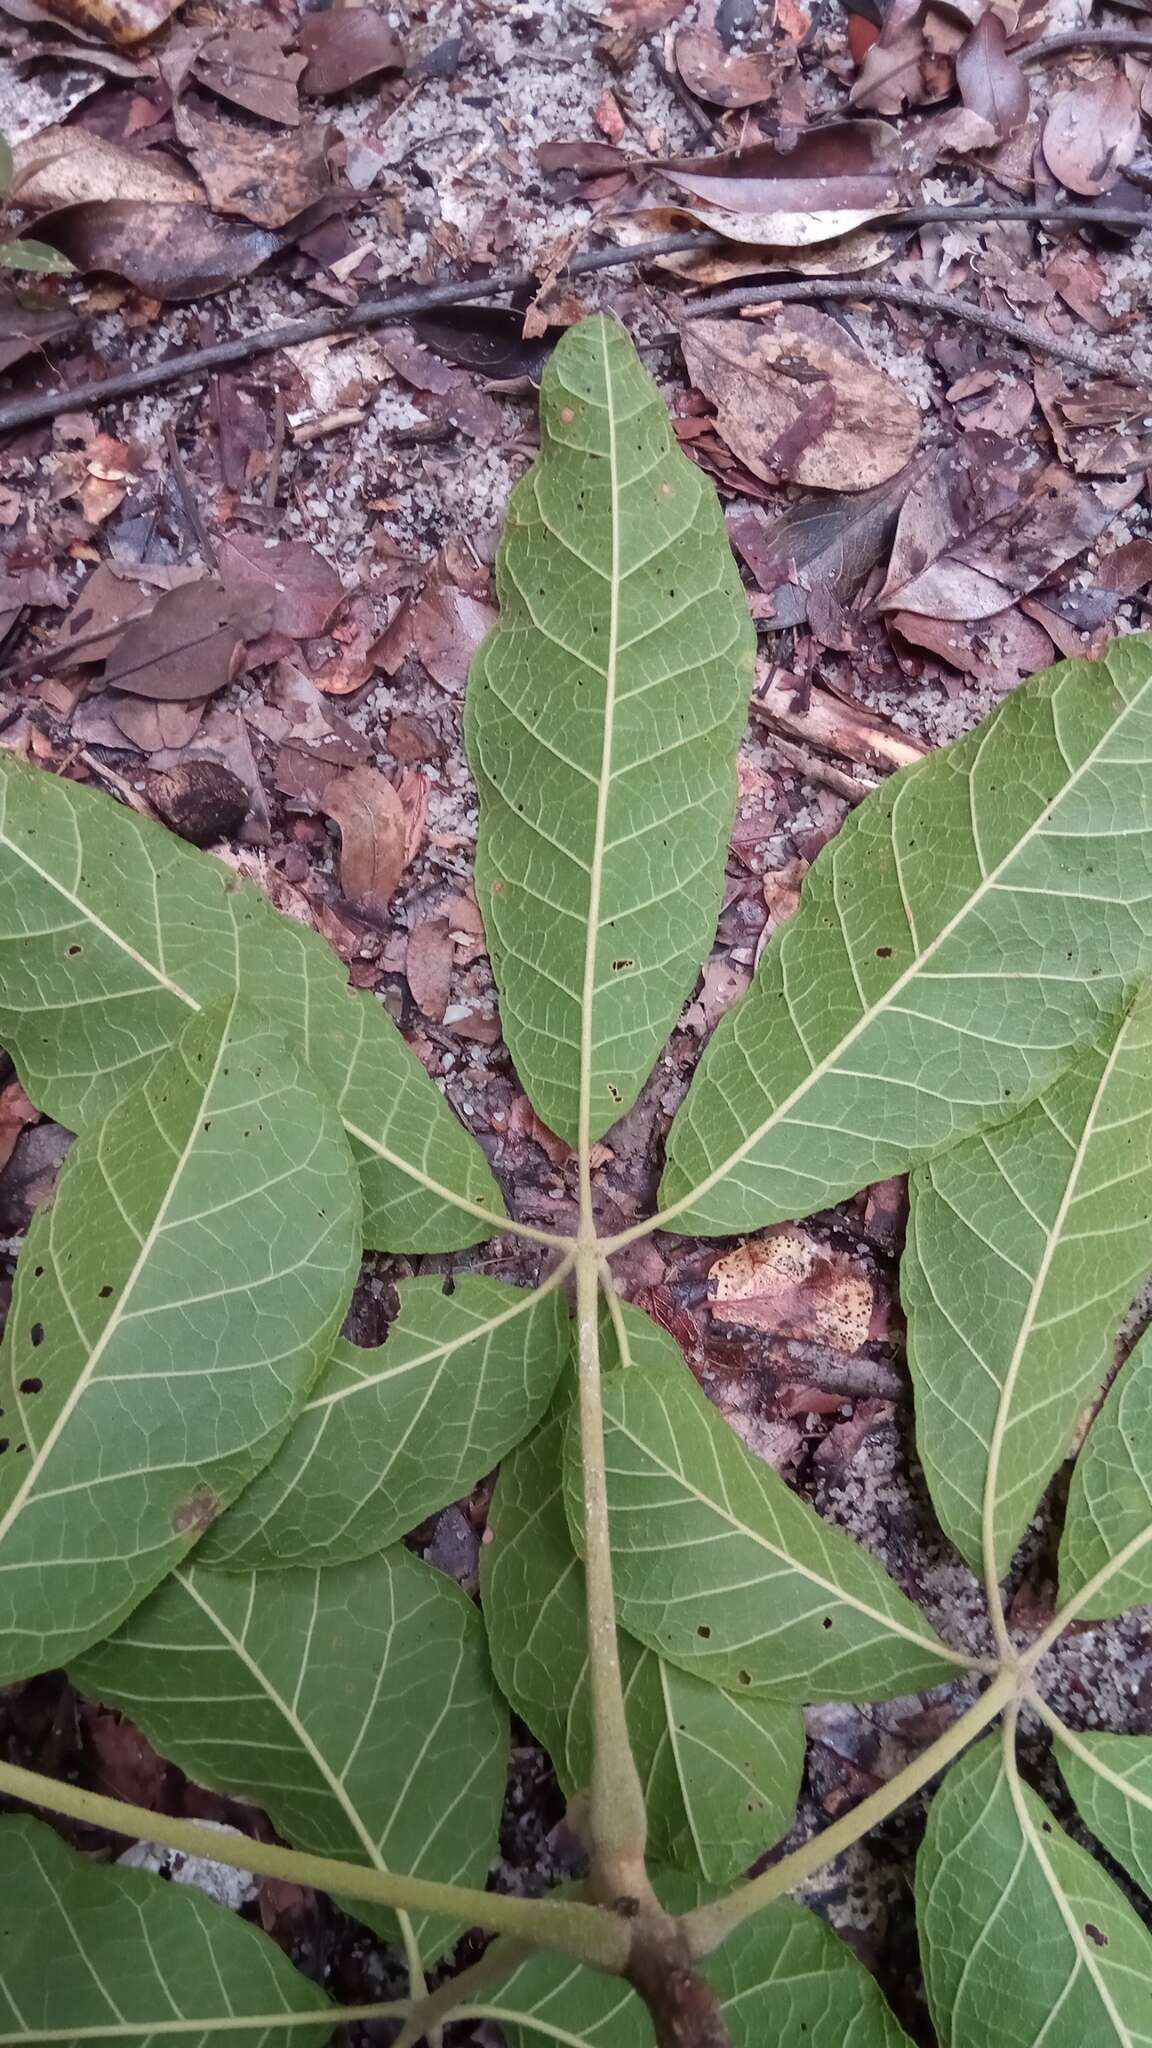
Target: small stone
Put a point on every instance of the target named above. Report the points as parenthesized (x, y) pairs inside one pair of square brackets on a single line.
[(201, 800)]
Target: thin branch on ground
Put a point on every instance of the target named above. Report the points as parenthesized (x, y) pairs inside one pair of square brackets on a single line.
[(1094, 362), (1082, 39), (26, 412)]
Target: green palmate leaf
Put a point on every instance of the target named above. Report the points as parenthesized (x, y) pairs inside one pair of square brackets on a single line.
[(1106, 1550), (724, 1571), (973, 921), (113, 933), (392, 1434), (171, 1310), (1024, 1937), (355, 1706), (91, 1952), (1025, 1246), (603, 718), (783, 1978), (721, 1773), (1110, 1778)]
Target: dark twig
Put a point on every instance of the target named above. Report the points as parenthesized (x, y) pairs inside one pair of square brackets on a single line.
[(192, 513), (1082, 39), (26, 412), (1093, 362)]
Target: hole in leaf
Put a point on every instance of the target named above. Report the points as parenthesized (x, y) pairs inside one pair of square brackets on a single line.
[(31, 1386), (1095, 1934), (883, 952), (36, 1333), (704, 1631)]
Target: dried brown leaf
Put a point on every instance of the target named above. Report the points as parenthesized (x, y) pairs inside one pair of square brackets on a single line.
[(67, 166), (819, 540), (892, 73), (789, 1283), (251, 68), (968, 544), (992, 82), (372, 825), (799, 399), (169, 252), (428, 966), (631, 22), (266, 179), (344, 46), (183, 649), (1092, 132), (304, 589), (153, 726), (844, 167), (122, 22), (726, 78)]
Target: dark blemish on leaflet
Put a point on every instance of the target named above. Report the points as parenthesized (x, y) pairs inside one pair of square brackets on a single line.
[(192, 1516)]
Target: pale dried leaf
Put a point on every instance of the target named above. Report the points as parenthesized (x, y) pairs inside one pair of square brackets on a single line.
[(363, 803)]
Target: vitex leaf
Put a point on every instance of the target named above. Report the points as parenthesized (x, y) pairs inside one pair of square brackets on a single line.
[(355, 1706), (1025, 1938), (1110, 1778), (172, 1307), (724, 1571), (1026, 1245), (969, 926), (1106, 1551), (721, 1772), (113, 933), (391, 1434), (603, 717), (94, 1952)]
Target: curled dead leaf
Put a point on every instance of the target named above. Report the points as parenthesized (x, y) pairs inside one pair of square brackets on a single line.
[(370, 815), (67, 166), (428, 966), (846, 166), (799, 399), (992, 82)]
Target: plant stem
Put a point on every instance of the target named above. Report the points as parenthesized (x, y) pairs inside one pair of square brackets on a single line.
[(584, 1932), (440, 2005), (617, 1816), (708, 1926)]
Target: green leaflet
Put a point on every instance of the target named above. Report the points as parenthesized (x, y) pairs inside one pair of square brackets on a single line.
[(721, 1774), (1026, 1245), (723, 1570), (783, 1978), (113, 932), (970, 923), (93, 1951), (603, 717), (355, 1706), (172, 1307), (1110, 1778), (1024, 1937), (1107, 1541), (394, 1433)]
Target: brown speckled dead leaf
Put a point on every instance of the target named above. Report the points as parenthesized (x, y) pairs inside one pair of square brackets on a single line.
[(789, 1283), (798, 399)]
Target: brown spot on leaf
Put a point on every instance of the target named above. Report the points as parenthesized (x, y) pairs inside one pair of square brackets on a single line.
[(192, 1516)]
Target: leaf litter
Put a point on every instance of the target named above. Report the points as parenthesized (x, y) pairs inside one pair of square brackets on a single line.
[(1018, 508)]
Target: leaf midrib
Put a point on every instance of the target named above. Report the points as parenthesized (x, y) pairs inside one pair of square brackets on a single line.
[(989, 881)]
